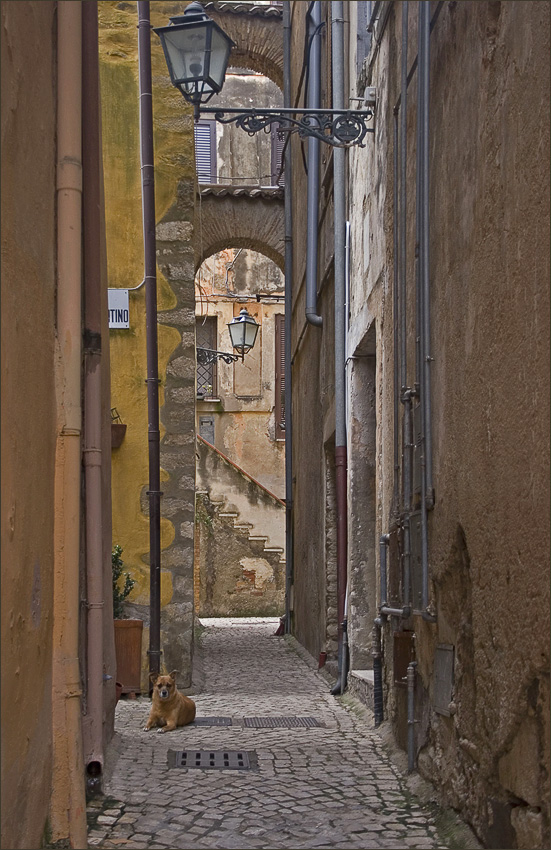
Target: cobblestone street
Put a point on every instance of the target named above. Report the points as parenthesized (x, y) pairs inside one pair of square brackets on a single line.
[(327, 786)]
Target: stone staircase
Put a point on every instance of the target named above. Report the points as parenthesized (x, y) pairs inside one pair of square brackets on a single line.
[(226, 511)]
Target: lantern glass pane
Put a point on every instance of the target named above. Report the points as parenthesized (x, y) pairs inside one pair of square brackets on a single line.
[(219, 56), (251, 331), (186, 49)]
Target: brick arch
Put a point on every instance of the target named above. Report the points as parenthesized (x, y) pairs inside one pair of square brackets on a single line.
[(258, 35), (239, 218)]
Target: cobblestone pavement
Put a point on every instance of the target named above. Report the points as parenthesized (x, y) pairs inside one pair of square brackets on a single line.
[(327, 786)]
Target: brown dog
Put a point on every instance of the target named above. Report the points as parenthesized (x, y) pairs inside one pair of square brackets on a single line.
[(169, 707)]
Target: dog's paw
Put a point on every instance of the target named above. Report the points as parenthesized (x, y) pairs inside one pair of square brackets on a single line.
[(161, 730), (147, 728)]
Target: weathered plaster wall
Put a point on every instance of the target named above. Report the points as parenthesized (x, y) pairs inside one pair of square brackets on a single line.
[(174, 188), (28, 416), (313, 399), (238, 573), (489, 531)]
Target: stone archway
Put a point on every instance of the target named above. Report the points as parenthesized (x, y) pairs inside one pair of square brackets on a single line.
[(241, 217), (258, 35)]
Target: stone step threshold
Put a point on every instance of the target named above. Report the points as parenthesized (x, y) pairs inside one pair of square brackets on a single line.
[(361, 685)]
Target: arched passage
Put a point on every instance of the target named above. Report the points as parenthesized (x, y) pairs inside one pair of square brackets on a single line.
[(258, 35), (229, 217)]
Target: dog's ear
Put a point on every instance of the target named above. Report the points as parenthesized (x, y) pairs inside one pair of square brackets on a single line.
[(173, 674), (153, 677)]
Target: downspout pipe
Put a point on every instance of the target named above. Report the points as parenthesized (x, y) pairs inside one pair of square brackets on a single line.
[(339, 226), (288, 214), (313, 183), (94, 756), (411, 715), (68, 801), (152, 380), (427, 495)]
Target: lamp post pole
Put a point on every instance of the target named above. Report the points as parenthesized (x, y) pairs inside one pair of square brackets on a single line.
[(152, 380)]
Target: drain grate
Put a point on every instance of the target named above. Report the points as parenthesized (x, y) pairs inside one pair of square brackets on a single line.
[(212, 721), (274, 722), (210, 759)]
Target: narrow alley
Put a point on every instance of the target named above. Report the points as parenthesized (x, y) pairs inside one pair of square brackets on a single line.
[(328, 783)]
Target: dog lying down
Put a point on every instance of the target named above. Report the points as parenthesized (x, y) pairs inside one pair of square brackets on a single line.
[(169, 708)]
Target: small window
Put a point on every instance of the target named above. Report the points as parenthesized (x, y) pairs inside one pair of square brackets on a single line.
[(205, 151), (279, 407), (205, 337)]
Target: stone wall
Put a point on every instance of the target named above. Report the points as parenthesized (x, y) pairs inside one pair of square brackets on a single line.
[(487, 753), (489, 291)]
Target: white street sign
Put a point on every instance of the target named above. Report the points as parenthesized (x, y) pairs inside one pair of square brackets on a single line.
[(119, 316)]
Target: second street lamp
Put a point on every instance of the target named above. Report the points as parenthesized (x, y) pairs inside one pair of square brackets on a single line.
[(243, 332)]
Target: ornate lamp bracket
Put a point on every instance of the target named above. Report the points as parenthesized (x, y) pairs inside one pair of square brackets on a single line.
[(336, 127)]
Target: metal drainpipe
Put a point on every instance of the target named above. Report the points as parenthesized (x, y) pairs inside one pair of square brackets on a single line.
[(427, 499), (150, 276), (406, 394), (288, 326), (314, 98), (68, 800), (396, 328), (92, 393), (411, 715), (339, 225)]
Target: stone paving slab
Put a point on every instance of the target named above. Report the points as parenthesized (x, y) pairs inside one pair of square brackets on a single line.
[(332, 786)]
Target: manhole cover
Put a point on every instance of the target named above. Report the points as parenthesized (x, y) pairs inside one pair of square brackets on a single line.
[(210, 759), (274, 722), (212, 721)]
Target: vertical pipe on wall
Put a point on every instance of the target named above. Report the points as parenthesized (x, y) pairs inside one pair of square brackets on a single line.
[(150, 275), (407, 458), (68, 802), (424, 293), (396, 504), (425, 248), (93, 394), (312, 189), (339, 201), (411, 715), (288, 212)]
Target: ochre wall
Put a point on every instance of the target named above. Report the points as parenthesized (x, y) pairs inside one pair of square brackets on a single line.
[(174, 180), (28, 416)]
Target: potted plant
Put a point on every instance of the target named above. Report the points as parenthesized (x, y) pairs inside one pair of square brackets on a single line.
[(128, 632)]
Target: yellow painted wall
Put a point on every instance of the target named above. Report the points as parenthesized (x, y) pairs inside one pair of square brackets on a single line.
[(174, 163)]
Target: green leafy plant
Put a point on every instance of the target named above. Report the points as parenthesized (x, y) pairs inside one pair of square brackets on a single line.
[(120, 590)]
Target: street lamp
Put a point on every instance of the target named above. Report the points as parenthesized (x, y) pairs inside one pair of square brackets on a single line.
[(243, 332), (197, 53)]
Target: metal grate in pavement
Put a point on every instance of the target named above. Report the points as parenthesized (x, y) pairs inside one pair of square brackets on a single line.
[(274, 722), (210, 759), (212, 721)]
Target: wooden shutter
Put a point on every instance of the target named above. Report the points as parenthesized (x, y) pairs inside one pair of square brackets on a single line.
[(278, 142), (205, 151), (279, 407)]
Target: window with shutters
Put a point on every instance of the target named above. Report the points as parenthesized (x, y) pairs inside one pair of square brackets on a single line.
[(205, 337), (278, 142), (205, 151), (280, 377)]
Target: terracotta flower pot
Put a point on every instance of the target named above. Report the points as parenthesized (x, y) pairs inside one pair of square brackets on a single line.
[(118, 430), (128, 650)]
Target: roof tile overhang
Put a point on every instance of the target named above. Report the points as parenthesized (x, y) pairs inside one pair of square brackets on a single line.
[(259, 10)]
